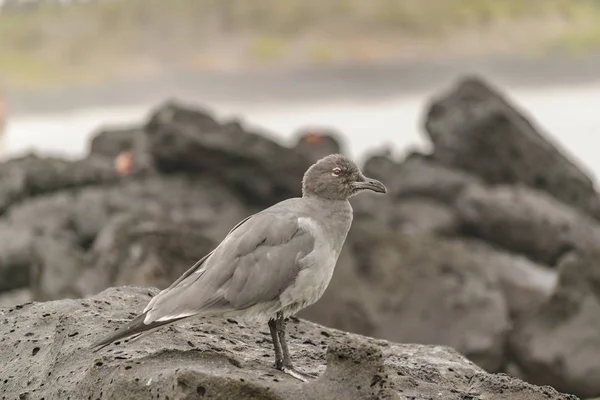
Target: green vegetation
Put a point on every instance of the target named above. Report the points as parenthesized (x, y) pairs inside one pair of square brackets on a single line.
[(266, 48), (54, 44)]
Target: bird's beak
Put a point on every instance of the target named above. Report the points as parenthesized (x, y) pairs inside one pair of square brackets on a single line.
[(370, 184)]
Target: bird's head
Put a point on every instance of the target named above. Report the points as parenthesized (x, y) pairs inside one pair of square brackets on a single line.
[(335, 177)]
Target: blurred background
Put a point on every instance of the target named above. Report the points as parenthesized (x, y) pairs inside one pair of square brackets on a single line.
[(365, 68), (156, 126)]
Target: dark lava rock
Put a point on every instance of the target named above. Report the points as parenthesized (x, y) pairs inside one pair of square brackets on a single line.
[(15, 257), (142, 249), (31, 175), (421, 195), (526, 285), (262, 171), (421, 215), (316, 143), (111, 143), (77, 216), (416, 289), (418, 176), (525, 221), (45, 351), (54, 264), (14, 297), (474, 128), (560, 344), (414, 214)]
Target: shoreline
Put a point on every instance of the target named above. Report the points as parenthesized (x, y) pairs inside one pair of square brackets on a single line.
[(328, 83)]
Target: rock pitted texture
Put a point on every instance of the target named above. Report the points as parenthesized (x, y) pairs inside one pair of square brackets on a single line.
[(475, 129), (44, 346)]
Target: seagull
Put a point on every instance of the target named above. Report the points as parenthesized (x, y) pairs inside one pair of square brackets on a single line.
[(270, 265)]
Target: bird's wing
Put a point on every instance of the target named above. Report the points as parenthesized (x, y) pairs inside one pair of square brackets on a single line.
[(253, 265), (194, 268)]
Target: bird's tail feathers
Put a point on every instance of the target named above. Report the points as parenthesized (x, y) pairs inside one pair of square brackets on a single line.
[(134, 327)]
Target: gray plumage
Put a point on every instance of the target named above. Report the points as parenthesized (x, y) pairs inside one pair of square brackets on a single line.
[(273, 263)]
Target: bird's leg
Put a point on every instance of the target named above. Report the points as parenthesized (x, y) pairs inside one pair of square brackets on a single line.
[(276, 345), (286, 365)]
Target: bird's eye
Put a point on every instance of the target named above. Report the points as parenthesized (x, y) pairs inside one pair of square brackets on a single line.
[(336, 171)]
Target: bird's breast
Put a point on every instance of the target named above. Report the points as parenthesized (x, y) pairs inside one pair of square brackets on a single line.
[(317, 270)]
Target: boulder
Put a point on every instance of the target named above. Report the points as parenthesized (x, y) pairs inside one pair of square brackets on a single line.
[(560, 344), (416, 289), (421, 194), (125, 147), (316, 143), (142, 249), (32, 175), (54, 264), (45, 348), (15, 257), (260, 170), (109, 142), (525, 221), (415, 214), (474, 128), (14, 297), (71, 221), (526, 285), (420, 176)]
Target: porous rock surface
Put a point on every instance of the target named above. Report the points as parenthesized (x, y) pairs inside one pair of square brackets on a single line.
[(45, 351)]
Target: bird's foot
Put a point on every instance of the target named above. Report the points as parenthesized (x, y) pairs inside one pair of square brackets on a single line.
[(302, 376)]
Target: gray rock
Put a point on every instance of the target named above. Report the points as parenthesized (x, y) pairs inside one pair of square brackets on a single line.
[(111, 143), (260, 170), (76, 217), (474, 128), (412, 214), (559, 344), (525, 221), (142, 249), (526, 285), (419, 176), (416, 289), (420, 198), (15, 297), (15, 256), (31, 175), (44, 346), (53, 267), (316, 143)]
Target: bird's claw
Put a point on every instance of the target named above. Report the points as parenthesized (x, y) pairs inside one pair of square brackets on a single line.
[(301, 376)]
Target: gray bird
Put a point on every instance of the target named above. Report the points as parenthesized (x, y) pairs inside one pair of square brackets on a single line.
[(270, 265)]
